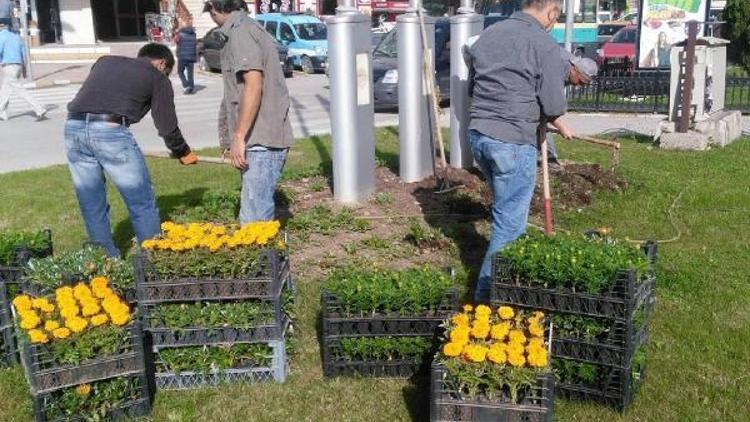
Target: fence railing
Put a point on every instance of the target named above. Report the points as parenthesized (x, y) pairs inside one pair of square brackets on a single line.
[(645, 92)]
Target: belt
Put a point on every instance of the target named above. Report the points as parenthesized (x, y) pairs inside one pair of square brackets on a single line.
[(94, 117)]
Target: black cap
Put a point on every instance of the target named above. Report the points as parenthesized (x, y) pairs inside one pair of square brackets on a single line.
[(207, 7)]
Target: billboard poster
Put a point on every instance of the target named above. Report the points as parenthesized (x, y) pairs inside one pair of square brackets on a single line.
[(662, 23)]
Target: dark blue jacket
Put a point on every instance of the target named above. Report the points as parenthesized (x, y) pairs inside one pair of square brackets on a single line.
[(186, 44)]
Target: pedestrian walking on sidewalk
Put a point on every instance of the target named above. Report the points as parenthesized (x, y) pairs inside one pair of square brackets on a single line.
[(256, 106), (12, 59), (186, 55), (118, 92), (518, 84)]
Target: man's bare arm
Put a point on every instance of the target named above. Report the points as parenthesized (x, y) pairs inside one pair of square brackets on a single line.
[(252, 91)]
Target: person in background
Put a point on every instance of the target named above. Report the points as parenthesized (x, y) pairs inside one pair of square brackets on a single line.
[(517, 86), (12, 60), (6, 13), (118, 92), (186, 55), (256, 106)]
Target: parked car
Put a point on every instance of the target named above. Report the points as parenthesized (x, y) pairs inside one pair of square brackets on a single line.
[(305, 36), (620, 50), (385, 66), (209, 49), (607, 30)]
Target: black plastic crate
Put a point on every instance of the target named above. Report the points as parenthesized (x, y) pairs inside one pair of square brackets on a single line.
[(47, 406), (447, 404), (274, 324), (276, 371), (14, 271), (626, 293), (616, 387), (8, 347), (335, 364), (615, 348), (336, 324), (44, 375)]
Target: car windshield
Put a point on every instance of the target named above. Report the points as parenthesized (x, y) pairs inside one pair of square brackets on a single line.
[(388, 46), (609, 29), (626, 36), (312, 31)]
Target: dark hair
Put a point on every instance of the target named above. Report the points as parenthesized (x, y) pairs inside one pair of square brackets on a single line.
[(156, 51), (225, 6), (540, 4)]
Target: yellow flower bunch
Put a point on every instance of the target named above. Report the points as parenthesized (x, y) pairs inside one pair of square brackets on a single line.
[(73, 310), (184, 237), (503, 337)]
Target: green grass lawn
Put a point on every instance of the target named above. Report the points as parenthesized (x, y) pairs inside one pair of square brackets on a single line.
[(698, 362)]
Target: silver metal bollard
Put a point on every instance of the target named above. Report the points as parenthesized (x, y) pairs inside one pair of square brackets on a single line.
[(464, 25), (352, 121), (415, 153)]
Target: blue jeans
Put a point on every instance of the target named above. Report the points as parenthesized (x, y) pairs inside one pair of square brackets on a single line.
[(185, 71), (510, 170), (96, 149), (259, 181)]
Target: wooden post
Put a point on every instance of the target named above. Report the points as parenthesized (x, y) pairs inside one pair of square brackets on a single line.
[(687, 82)]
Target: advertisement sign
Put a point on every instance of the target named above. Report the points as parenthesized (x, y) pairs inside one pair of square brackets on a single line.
[(662, 23)]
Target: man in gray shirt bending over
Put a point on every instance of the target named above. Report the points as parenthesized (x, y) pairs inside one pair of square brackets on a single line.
[(517, 86)]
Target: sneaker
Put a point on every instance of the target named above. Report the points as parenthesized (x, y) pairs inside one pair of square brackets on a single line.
[(42, 116)]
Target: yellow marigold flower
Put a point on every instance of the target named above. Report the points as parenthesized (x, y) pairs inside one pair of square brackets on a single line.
[(22, 303), (149, 244), (483, 310), (81, 291), (515, 349), (29, 320), (39, 303), (536, 342), (120, 319), (76, 324), (98, 320), (535, 330), (475, 353), (460, 319), (452, 349), (460, 335), (505, 312), (516, 336), (51, 325), (91, 309), (516, 360), (38, 336), (70, 312), (101, 292), (500, 331), (65, 291), (83, 389), (538, 359), (538, 314), (497, 356), (61, 333), (99, 282), (468, 308), (480, 330)]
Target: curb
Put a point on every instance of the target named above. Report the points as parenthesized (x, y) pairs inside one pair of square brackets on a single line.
[(50, 84)]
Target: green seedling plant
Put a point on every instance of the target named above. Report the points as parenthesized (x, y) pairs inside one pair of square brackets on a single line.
[(241, 315), (94, 343), (385, 348), (224, 263), (83, 264), (206, 359), (572, 262), (366, 292), (92, 402), (36, 243), (213, 206)]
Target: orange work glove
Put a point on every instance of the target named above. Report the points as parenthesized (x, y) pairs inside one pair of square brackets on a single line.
[(189, 159)]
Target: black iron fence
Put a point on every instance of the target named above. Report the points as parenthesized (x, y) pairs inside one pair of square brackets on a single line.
[(646, 92)]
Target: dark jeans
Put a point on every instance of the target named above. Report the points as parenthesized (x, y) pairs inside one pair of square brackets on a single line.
[(185, 70)]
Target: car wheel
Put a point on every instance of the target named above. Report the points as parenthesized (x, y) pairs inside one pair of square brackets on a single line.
[(203, 64), (307, 65)]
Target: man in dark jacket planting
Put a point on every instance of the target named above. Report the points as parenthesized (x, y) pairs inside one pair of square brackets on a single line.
[(186, 55)]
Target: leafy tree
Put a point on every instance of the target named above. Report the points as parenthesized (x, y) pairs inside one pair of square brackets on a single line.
[(737, 16)]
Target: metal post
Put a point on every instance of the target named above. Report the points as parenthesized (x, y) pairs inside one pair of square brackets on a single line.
[(415, 154), (570, 12), (687, 82), (464, 25), (352, 121), (25, 37)]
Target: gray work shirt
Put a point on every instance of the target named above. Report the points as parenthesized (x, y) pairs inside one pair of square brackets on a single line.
[(517, 70), (249, 47)]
